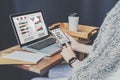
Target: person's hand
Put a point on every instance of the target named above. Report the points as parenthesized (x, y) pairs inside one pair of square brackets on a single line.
[(67, 53), (74, 44)]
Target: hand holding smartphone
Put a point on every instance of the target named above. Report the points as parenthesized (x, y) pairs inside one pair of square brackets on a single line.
[(59, 35)]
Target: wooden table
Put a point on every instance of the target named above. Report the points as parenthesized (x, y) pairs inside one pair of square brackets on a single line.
[(46, 63), (42, 66)]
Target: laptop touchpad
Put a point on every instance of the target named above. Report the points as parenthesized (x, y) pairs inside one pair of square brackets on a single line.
[(52, 49)]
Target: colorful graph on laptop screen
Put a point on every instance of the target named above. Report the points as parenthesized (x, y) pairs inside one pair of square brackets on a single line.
[(30, 27)]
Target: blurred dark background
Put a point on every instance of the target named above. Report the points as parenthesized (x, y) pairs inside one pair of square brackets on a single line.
[(91, 12)]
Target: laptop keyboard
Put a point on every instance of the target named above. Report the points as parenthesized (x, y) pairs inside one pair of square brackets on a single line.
[(43, 44)]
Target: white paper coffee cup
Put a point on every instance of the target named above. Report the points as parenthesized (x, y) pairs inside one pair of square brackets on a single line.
[(73, 23)]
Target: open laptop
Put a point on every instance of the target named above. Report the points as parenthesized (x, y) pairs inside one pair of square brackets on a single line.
[(32, 33)]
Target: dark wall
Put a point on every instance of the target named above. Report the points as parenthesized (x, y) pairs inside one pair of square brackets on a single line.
[(7, 37), (91, 12)]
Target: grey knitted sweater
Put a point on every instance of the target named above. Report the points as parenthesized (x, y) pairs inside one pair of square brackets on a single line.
[(104, 59)]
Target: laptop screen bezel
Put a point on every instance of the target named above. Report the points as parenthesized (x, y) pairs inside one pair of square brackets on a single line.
[(15, 30)]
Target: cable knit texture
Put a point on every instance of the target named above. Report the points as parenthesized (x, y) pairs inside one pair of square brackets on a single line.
[(104, 60)]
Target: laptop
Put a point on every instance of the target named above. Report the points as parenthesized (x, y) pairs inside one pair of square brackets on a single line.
[(32, 34)]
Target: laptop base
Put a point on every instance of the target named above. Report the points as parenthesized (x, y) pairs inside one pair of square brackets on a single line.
[(47, 51)]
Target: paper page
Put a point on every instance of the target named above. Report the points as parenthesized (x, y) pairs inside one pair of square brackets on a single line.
[(24, 56)]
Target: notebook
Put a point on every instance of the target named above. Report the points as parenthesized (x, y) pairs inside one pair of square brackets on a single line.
[(32, 34), (24, 56)]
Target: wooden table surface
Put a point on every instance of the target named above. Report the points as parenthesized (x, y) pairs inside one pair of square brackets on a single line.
[(47, 62), (41, 67)]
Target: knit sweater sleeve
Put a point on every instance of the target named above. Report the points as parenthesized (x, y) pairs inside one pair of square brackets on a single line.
[(105, 56)]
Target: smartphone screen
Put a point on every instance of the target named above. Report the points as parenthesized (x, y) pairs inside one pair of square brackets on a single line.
[(59, 35)]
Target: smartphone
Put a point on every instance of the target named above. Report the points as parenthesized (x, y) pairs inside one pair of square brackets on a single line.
[(59, 35)]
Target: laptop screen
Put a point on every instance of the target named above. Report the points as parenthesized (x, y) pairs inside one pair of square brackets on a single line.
[(30, 26)]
